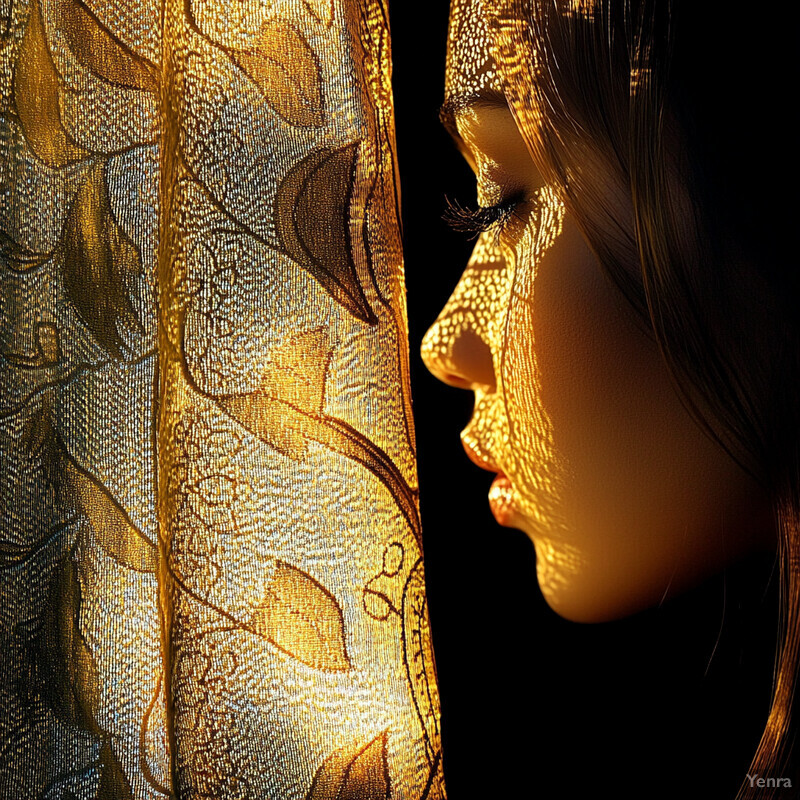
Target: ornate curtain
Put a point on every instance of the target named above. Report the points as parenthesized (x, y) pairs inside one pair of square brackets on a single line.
[(210, 554)]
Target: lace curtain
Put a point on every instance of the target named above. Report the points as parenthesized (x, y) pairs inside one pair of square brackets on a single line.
[(211, 564)]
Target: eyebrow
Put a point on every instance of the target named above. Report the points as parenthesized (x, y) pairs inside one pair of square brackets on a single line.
[(455, 103)]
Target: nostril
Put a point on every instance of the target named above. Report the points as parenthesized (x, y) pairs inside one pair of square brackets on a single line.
[(451, 379), (458, 356), (471, 358)]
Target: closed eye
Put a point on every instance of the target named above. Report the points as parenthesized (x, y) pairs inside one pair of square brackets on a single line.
[(475, 221)]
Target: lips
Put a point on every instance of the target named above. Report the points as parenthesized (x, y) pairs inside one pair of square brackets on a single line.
[(501, 491), (501, 500)]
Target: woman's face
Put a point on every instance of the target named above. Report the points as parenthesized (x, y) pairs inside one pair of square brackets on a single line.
[(625, 498)]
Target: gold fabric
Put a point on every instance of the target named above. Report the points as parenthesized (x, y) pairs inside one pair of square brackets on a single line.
[(211, 565)]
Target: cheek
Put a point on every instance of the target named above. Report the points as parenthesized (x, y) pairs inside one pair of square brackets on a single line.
[(647, 503)]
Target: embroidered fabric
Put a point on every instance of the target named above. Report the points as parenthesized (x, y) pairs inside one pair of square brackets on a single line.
[(211, 564)]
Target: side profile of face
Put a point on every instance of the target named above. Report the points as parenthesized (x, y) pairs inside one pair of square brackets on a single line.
[(625, 498)]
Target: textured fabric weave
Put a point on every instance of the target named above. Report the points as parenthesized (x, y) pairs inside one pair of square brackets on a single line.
[(211, 580)]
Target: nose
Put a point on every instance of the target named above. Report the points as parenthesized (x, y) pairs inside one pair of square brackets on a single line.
[(457, 348), (455, 353)]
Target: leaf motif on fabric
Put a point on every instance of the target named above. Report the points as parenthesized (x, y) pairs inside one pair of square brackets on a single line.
[(312, 218), (359, 772), (111, 525), (343, 438), (77, 703), (287, 71), (286, 412), (320, 10), (80, 661), (80, 703), (302, 618), (100, 51), (48, 349), (382, 594), (294, 374), (153, 741), (36, 87), (20, 258), (420, 663), (99, 258), (289, 429)]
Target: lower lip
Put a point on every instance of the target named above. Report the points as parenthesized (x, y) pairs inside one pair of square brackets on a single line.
[(500, 500)]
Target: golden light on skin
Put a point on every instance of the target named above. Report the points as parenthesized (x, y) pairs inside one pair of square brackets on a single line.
[(626, 500), (469, 69), (509, 427), (486, 142)]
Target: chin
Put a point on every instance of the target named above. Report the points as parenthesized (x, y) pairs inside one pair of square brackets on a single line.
[(579, 592), (598, 575), (574, 605)]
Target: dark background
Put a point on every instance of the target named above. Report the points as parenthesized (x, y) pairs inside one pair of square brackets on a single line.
[(668, 703)]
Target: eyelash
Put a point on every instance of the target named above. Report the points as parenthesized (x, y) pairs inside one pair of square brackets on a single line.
[(475, 221)]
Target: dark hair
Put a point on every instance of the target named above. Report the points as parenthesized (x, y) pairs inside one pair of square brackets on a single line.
[(679, 107)]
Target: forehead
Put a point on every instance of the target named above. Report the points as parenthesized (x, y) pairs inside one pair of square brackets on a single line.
[(470, 70)]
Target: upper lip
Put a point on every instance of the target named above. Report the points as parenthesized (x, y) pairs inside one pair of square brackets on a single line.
[(478, 456)]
